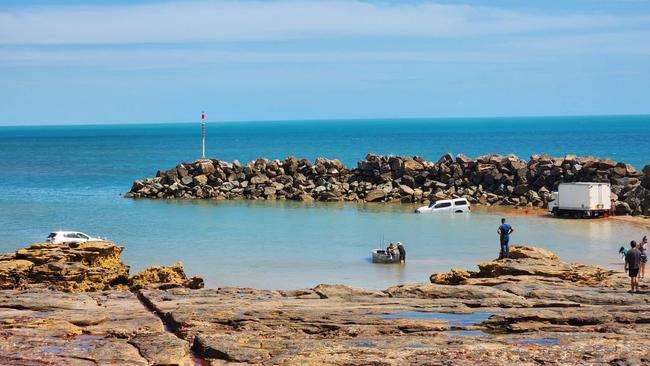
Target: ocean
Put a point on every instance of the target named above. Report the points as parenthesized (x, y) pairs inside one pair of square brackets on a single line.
[(71, 177)]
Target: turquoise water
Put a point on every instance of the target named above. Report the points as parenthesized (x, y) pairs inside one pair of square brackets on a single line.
[(70, 177)]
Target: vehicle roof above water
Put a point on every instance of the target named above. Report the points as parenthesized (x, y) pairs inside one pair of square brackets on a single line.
[(451, 200), (66, 232), (584, 183)]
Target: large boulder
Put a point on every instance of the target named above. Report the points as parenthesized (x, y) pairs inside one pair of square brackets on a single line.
[(375, 195), (205, 167), (14, 273), (453, 277), (412, 165), (84, 267), (406, 190), (161, 277), (463, 160), (645, 180), (201, 180), (528, 261), (90, 266), (259, 179), (523, 251), (622, 208)]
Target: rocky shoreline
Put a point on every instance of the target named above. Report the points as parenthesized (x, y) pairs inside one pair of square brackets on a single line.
[(84, 267), (532, 309), (486, 180)]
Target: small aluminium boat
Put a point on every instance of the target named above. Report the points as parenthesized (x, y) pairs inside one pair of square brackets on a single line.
[(381, 256)]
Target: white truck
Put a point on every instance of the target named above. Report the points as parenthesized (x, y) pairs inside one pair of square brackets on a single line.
[(581, 199)]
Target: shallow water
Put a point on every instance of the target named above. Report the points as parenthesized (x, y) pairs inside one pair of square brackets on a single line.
[(467, 333), (291, 244), (453, 320), (538, 341), (51, 349), (71, 177)]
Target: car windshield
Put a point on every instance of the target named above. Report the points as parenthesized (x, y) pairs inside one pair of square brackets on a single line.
[(432, 204), (52, 235)]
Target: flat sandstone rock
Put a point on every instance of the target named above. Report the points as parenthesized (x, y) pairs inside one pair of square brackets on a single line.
[(43, 327), (510, 319), (523, 317)]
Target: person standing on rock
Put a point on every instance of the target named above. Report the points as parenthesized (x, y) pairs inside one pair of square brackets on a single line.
[(632, 263), (504, 232), (402, 252)]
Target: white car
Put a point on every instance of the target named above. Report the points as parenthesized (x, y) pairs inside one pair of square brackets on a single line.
[(456, 205), (69, 237)]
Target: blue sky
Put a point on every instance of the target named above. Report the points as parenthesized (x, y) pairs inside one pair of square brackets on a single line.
[(165, 61)]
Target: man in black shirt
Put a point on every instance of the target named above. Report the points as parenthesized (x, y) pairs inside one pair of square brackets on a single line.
[(402, 252), (632, 264)]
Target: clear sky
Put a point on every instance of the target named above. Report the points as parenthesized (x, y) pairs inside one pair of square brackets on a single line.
[(65, 62)]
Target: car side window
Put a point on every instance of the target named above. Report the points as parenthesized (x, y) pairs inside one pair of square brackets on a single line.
[(70, 235), (82, 236), (443, 205), (460, 203)]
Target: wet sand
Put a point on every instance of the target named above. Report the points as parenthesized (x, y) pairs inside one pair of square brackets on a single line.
[(640, 221)]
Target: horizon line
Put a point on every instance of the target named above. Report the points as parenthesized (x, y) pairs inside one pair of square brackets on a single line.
[(309, 120)]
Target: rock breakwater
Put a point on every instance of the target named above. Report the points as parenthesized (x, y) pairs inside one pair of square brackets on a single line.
[(487, 180)]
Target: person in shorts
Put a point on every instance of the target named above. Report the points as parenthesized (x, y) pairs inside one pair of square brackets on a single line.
[(402, 252), (632, 264), (504, 232)]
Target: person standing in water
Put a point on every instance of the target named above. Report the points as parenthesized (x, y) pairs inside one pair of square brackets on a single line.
[(504, 232), (402, 252)]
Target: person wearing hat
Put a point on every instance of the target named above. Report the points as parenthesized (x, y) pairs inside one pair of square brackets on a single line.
[(402, 252)]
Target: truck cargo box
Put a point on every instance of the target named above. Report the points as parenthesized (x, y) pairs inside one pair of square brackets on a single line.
[(582, 199), (584, 196)]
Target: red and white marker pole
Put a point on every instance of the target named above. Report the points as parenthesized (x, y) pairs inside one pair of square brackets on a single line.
[(203, 134)]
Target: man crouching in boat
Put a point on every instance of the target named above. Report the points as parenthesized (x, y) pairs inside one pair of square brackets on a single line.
[(391, 251)]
